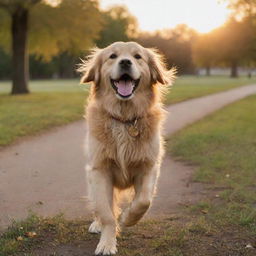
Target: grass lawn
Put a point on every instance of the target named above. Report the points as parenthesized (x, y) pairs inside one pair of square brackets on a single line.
[(57, 102), (50, 104), (189, 87), (183, 235), (222, 147), (30, 114)]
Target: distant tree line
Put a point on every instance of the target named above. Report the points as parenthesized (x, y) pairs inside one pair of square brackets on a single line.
[(51, 36), (176, 45), (232, 45)]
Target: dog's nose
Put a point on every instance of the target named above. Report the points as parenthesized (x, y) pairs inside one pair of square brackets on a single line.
[(125, 63)]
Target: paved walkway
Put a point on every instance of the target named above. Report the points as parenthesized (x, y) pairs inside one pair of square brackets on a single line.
[(46, 173)]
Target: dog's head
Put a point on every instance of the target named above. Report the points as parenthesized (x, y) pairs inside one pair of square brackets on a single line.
[(125, 69)]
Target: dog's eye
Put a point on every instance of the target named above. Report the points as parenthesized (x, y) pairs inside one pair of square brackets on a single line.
[(137, 56), (113, 56)]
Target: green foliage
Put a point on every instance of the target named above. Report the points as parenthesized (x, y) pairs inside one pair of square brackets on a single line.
[(9, 243), (54, 46), (70, 27), (119, 25), (63, 65), (7, 8)]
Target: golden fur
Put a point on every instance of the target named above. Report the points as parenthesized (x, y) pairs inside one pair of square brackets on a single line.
[(115, 159)]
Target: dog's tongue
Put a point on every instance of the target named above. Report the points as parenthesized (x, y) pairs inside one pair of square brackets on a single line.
[(124, 88)]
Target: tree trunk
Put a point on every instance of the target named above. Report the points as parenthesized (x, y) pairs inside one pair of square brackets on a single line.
[(20, 60), (249, 73), (234, 70), (208, 71)]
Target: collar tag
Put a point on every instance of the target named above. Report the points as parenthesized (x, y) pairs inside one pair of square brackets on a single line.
[(133, 129), (131, 126)]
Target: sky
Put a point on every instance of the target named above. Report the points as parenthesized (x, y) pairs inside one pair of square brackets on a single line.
[(202, 15)]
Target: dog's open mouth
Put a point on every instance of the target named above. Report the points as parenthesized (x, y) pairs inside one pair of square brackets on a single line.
[(125, 85)]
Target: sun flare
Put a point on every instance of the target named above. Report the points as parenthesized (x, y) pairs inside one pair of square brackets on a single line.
[(202, 15)]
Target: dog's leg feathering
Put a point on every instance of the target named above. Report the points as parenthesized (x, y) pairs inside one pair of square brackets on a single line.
[(101, 189)]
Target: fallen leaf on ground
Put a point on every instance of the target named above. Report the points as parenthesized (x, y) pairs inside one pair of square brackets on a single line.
[(19, 238), (30, 234)]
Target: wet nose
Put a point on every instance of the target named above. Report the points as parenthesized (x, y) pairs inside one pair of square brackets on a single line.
[(125, 63)]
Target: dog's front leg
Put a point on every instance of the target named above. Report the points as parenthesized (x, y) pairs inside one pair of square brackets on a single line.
[(144, 190), (101, 190)]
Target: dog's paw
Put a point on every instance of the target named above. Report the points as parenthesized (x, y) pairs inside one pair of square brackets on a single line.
[(95, 227), (106, 247)]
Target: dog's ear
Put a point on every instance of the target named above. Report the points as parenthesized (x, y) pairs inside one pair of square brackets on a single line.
[(159, 72), (90, 67)]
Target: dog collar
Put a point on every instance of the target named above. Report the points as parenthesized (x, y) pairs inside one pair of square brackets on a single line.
[(129, 121), (131, 125)]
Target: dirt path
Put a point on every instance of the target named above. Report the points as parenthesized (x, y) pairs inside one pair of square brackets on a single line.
[(46, 173)]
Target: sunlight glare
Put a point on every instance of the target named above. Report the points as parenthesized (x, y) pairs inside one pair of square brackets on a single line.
[(53, 3), (202, 15)]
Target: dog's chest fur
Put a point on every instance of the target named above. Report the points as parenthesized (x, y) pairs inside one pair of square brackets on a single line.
[(131, 155), (124, 155), (129, 149)]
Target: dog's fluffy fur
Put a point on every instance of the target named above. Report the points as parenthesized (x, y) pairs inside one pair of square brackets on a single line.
[(117, 161)]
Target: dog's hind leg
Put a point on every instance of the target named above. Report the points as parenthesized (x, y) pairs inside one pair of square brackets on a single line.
[(101, 192), (144, 191)]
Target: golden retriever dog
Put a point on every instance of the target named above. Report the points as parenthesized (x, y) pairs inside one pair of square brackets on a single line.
[(124, 146)]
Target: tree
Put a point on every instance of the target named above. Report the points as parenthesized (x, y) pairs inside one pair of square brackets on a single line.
[(56, 26), (119, 25), (19, 13), (175, 44), (245, 11), (205, 51), (234, 41), (243, 7), (72, 27)]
